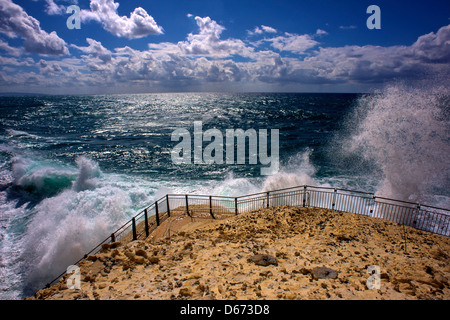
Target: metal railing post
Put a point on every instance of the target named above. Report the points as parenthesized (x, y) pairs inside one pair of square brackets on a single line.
[(133, 226), (168, 207), (187, 206), (157, 213), (147, 232), (334, 199), (304, 196), (113, 237), (414, 222), (235, 206), (267, 199), (210, 207)]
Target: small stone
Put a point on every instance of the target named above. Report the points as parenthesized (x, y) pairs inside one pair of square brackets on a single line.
[(303, 271), (263, 260), (153, 260), (291, 296), (185, 292), (141, 253), (102, 285), (323, 273), (139, 259)]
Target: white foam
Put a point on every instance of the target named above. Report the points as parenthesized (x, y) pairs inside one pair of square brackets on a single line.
[(404, 131), (88, 172), (299, 171), (39, 240)]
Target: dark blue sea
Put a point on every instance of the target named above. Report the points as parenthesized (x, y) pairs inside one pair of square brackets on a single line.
[(73, 168)]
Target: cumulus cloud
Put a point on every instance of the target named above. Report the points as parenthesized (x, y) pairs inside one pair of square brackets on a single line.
[(208, 43), (257, 30), (49, 67), (268, 29), (207, 58), (16, 61), (53, 8), (139, 24), (434, 47), (4, 46), (261, 30), (96, 50), (293, 42), (371, 64), (15, 22)]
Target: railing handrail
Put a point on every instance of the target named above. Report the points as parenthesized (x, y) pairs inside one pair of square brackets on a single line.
[(264, 196), (303, 186)]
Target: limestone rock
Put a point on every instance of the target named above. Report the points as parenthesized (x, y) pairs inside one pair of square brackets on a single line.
[(323, 273), (185, 292), (263, 260), (141, 252), (153, 260)]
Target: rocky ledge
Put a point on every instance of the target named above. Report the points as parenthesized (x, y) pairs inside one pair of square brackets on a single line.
[(274, 253)]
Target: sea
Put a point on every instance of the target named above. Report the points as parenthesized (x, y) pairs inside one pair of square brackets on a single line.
[(74, 168)]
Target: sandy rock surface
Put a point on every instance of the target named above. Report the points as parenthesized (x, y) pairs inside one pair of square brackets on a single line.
[(273, 253)]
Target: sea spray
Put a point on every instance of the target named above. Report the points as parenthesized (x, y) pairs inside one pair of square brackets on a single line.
[(52, 214), (67, 226), (299, 171), (88, 172), (404, 133)]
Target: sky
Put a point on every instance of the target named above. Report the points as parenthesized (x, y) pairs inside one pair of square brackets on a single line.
[(132, 46)]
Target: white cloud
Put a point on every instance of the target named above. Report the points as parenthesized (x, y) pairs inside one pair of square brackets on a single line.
[(261, 30), (16, 61), (434, 47), (293, 42), (96, 50), (15, 22), (208, 43), (268, 29), (54, 9), (257, 30), (138, 25), (4, 46), (207, 59), (49, 68)]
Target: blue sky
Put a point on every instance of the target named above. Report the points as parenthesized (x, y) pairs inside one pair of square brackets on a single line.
[(212, 45)]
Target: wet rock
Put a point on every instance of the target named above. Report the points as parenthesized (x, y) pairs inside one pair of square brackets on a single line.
[(263, 260)]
